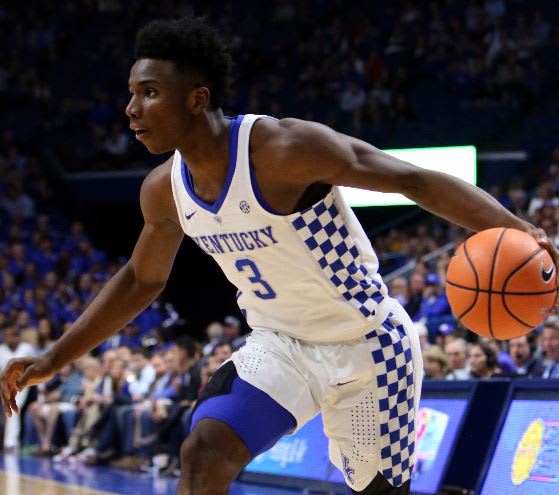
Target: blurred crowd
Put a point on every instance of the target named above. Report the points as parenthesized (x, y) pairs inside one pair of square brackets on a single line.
[(130, 406), (389, 71)]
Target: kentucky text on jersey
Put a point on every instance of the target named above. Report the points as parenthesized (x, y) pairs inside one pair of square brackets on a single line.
[(236, 241)]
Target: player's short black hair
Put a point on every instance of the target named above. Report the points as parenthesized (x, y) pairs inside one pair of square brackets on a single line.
[(192, 44)]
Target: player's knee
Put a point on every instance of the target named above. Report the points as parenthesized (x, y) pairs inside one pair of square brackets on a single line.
[(196, 471)]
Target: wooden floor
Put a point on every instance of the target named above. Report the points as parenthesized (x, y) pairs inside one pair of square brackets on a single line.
[(23, 484)]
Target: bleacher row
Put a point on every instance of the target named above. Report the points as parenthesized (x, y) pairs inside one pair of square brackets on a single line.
[(395, 73)]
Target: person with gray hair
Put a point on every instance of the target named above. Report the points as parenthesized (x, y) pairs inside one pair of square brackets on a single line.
[(457, 356)]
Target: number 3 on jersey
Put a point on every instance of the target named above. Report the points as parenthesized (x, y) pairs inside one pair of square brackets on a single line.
[(256, 278)]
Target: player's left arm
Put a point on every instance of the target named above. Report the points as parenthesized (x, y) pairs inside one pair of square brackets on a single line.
[(316, 153)]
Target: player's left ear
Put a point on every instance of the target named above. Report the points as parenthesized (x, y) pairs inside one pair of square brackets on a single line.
[(198, 100)]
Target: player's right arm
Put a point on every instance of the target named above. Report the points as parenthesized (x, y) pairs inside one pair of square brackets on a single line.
[(129, 291)]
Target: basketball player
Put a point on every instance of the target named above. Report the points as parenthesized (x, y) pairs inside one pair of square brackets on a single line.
[(260, 196)]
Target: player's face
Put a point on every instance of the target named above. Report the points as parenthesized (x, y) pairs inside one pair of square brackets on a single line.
[(158, 107)]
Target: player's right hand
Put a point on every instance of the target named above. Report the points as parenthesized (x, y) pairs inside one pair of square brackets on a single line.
[(21, 373)]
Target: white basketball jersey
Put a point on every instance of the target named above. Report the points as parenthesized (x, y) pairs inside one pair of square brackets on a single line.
[(312, 275)]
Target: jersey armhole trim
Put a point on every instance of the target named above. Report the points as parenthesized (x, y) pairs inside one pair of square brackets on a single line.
[(177, 161), (256, 190)]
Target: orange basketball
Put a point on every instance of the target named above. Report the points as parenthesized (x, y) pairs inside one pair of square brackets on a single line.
[(499, 283)]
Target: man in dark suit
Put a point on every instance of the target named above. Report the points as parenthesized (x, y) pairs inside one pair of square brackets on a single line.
[(522, 350), (551, 348)]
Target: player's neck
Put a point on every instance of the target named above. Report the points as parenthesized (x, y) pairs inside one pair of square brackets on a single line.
[(206, 150)]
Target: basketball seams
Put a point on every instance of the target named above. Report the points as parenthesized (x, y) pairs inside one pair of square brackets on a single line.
[(507, 280), (507, 309), (519, 267), (492, 273), (512, 274), (508, 293), (470, 262)]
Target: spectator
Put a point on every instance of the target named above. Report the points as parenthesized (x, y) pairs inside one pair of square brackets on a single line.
[(19, 205), (444, 333), (143, 374), (112, 392), (483, 361), (214, 334), (416, 285), (124, 353), (544, 197), (434, 309), (435, 363), (88, 407), (13, 347), (457, 356), (522, 350), (353, 97), (551, 348), (399, 290), (232, 332), (505, 363), (116, 143), (158, 363), (222, 353), (62, 398), (45, 335), (188, 382)]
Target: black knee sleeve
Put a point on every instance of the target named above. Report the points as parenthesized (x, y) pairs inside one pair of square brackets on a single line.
[(379, 486)]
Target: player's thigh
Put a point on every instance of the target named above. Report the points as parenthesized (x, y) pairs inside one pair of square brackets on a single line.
[(251, 417), (371, 424)]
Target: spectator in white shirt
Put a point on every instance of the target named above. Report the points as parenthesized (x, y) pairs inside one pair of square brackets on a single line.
[(144, 374), (544, 197), (13, 347)]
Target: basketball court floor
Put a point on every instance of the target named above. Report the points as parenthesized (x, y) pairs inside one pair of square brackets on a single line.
[(40, 476)]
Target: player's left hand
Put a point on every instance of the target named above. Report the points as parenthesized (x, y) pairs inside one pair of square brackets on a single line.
[(545, 242)]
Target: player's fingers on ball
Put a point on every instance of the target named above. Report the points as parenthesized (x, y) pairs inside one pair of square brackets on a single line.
[(545, 242)]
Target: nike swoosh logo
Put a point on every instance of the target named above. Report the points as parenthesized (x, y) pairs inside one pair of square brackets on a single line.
[(547, 274), (345, 383), (188, 217)]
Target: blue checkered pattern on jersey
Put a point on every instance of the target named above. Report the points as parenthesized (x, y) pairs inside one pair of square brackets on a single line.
[(392, 358), (322, 229)]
